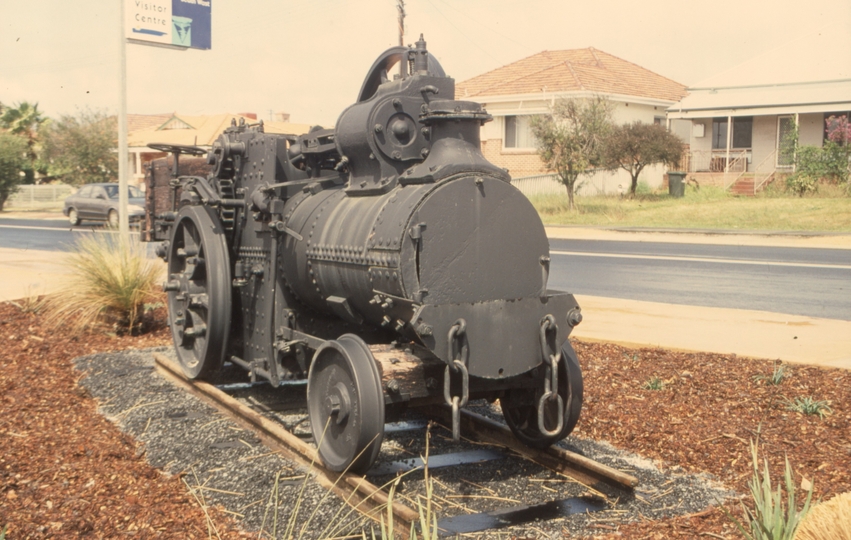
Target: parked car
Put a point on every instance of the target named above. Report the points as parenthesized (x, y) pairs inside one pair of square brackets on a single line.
[(99, 202)]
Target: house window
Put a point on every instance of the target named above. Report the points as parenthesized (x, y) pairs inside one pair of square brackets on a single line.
[(719, 133), (518, 132), (742, 132)]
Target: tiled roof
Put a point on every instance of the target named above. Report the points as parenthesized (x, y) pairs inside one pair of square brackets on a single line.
[(136, 122), (204, 130), (576, 70)]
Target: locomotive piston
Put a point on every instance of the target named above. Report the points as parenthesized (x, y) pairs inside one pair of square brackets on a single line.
[(386, 261)]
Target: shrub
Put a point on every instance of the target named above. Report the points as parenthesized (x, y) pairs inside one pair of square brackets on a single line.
[(776, 376), (808, 405), (109, 281), (654, 383), (770, 519), (827, 521)]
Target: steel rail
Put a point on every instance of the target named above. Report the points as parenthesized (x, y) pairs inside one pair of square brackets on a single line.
[(363, 495), (580, 468)]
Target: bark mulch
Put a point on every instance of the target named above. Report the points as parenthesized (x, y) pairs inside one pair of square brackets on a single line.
[(66, 471)]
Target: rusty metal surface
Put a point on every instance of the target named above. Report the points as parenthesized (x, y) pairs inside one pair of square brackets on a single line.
[(159, 196)]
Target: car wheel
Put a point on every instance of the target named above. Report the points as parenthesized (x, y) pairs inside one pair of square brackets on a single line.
[(73, 216), (112, 218)]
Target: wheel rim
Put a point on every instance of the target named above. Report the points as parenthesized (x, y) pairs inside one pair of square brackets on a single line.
[(112, 218), (519, 406), (72, 217), (346, 404), (199, 297)]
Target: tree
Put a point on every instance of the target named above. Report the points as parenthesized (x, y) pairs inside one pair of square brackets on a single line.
[(81, 149), (570, 138), (632, 147), (13, 161), (25, 120)]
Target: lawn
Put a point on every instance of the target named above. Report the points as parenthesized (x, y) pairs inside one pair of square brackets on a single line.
[(705, 208)]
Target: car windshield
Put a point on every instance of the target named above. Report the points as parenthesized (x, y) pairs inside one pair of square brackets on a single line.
[(132, 193)]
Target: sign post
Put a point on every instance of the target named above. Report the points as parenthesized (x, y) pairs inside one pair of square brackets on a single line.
[(175, 24), (123, 217)]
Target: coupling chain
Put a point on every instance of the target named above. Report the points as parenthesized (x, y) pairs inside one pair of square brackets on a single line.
[(549, 334), (457, 346)]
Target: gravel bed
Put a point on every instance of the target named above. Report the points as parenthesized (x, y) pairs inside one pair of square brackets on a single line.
[(228, 466)]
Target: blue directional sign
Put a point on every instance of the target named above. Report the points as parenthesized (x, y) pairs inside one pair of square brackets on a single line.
[(177, 23)]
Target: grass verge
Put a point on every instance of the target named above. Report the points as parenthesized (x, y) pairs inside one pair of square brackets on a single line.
[(704, 208)]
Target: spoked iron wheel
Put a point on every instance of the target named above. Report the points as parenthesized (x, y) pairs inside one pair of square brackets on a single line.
[(345, 403), (519, 406), (199, 292)]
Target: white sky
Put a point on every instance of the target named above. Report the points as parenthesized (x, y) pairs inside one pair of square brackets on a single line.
[(309, 57)]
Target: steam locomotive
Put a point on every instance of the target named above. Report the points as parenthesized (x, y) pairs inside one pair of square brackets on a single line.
[(385, 261)]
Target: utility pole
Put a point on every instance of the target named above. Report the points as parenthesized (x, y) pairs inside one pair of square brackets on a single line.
[(401, 7), (123, 218)]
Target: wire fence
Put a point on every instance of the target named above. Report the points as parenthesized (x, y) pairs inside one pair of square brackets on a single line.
[(542, 184), (30, 196)]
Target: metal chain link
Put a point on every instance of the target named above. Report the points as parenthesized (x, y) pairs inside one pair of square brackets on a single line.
[(458, 364), (549, 334)]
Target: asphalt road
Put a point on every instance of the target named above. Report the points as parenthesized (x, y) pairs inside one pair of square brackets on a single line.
[(798, 281), (43, 235)]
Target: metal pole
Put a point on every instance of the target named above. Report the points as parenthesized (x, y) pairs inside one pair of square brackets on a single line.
[(123, 218), (401, 8)]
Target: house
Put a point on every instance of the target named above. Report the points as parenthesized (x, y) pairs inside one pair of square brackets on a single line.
[(174, 128), (513, 94), (741, 118)]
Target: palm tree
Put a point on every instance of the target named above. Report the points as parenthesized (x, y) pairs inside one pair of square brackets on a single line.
[(24, 120)]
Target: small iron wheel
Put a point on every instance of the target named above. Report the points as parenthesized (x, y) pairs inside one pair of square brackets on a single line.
[(345, 403), (519, 406), (199, 292)]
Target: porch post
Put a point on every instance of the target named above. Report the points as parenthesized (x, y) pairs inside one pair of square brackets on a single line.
[(729, 142), (795, 150)]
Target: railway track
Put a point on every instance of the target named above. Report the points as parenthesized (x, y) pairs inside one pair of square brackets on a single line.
[(552, 473)]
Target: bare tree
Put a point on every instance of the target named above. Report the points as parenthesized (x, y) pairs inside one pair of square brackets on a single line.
[(570, 139)]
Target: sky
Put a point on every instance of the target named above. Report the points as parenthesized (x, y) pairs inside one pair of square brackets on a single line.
[(309, 58)]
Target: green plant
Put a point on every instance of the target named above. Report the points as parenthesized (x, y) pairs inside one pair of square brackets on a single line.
[(81, 149), (12, 164), (3, 532), (808, 405), (653, 383), (109, 280), (810, 167), (428, 518), (776, 376), (770, 519), (152, 306), (570, 139), (30, 303), (632, 147)]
